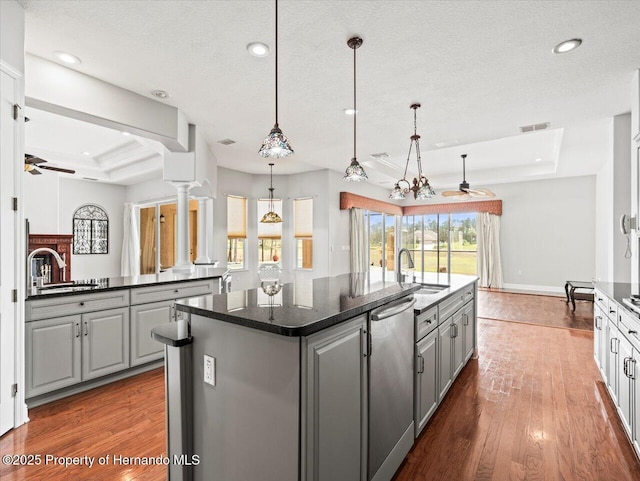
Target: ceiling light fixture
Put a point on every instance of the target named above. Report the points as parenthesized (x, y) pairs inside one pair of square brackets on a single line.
[(567, 45), (67, 58), (86, 153), (355, 172), (350, 111), (421, 188), (126, 134), (276, 145), (258, 49), (272, 216), (161, 94)]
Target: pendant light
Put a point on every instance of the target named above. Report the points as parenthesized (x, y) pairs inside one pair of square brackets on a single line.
[(355, 172), (272, 216), (420, 188), (276, 145)]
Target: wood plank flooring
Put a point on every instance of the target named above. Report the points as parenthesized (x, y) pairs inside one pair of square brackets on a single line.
[(532, 407), (534, 309)]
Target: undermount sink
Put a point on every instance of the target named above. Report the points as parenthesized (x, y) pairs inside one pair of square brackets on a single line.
[(65, 287), (431, 289)]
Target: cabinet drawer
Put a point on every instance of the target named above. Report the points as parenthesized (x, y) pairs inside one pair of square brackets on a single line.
[(468, 293), (76, 304), (450, 305), (176, 290), (426, 322), (601, 300)]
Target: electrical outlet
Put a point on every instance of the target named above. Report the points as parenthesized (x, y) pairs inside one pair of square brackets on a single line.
[(210, 370)]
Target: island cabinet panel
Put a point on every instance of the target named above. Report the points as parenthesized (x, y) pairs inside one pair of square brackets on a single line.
[(457, 341), (52, 354), (336, 388), (426, 380), (468, 330), (625, 400), (144, 318), (246, 427), (445, 357), (611, 360), (105, 342)]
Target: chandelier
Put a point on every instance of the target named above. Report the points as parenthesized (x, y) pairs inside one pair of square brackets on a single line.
[(420, 188), (272, 216)]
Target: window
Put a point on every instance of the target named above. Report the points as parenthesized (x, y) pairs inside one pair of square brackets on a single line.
[(90, 230), (382, 248), (303, 232), (441, 244), (269, 235), (236, 231)]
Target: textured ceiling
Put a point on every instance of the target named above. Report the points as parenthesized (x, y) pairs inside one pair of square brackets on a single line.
[(480, 69)]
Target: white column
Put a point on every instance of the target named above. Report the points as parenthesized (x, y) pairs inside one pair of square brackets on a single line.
[(203, 251), (183, 264)]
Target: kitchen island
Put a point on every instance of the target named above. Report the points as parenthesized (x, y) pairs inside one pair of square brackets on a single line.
[(274, 383), (83, 334)]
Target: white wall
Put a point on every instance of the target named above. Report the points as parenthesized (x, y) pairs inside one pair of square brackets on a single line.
[(49, 203), (12, 35), (547, 232)]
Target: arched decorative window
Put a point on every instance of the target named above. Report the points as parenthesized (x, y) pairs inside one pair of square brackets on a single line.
[(90, 230)]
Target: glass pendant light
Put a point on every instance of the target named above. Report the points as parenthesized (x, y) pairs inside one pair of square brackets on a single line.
[(272, 216), (276, 144), (420, 188), (355, 172)]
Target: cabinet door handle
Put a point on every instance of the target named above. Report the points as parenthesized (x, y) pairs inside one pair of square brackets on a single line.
[(420, 364), (466, 319), (82, 303), (611, 311), (632, 368), (77, 329), (611, 345), (86, 328)]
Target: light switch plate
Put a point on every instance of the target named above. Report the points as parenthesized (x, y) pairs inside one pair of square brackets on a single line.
[(210, 370)]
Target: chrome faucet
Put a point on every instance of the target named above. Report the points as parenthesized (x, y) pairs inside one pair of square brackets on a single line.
[(411, 265), (30, 257)]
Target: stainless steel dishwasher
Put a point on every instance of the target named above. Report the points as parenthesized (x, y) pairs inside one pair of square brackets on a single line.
[(390, 387)]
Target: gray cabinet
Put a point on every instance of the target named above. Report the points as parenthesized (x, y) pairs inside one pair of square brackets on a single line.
[(336, 393), (426, 380), (457, 341), (445, 355), (468, 329), (105, 342), (624, 384), (52, 354), (144, 318), (611, 362)]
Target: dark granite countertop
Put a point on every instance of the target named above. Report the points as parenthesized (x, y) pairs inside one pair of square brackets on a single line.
[(112, 283), (617, 290), (300, 308)]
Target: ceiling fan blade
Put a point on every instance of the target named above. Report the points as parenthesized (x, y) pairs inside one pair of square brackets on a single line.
[(481, 193), (34, 172), (58, 169), (451, 193), (32, 159)]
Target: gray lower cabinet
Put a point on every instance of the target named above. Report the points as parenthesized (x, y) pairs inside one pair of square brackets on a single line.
[(336, 393), (105, 342), (53, 354), (64, 351), (611, 361), (457, 341), (144, 318), (624, 384), (445, 357), (426, 380), (468, 329)]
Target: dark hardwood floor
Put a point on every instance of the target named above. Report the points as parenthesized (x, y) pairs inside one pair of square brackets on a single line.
[(546, 310), (532, 407)]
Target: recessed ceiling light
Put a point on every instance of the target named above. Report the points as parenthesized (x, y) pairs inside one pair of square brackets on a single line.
[(567, 45), (125, 133), (538, 159), (350, 111), (86, 153), (161, 94), (258, 49), (67, 58)]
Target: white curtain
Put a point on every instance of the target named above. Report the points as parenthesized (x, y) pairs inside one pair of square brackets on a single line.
[(489, 262), (358, 242), (130, 263)]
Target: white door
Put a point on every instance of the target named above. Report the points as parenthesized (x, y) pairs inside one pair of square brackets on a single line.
[(7, 251)]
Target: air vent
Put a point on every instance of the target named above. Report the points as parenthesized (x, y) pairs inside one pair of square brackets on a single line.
[(446, 143), (381, 155), (226, 141), (90, 178), (534, 127)]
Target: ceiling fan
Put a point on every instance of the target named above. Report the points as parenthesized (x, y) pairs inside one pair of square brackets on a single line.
[(31, 161), (465, 192)]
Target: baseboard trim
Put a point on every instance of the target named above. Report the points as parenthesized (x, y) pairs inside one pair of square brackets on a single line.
[(533, 289)]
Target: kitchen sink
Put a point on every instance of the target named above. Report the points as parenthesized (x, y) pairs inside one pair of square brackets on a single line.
[(65, 287), (431, 289)]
